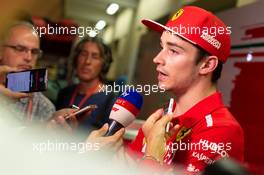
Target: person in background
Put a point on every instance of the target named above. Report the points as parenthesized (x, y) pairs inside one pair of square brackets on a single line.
[(91, 62), (20, 49), (7, 96)]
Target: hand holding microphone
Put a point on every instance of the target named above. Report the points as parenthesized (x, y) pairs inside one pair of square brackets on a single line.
[(113, 142), (124, 112)]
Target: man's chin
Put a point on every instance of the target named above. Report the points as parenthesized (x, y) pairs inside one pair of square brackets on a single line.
[(85, 79), (162, 86), (21, 69)]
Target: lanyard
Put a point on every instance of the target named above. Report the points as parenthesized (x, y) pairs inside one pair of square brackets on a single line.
[(29, 109), (89, 92)]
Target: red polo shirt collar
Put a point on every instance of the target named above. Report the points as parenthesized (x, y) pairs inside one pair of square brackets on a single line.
[(200, 110)]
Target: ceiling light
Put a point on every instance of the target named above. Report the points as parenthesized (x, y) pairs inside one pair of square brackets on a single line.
[(92, 33), (100, 24), (112, 8)]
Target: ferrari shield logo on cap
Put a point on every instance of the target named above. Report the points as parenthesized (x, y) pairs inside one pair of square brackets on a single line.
[(177, 14)]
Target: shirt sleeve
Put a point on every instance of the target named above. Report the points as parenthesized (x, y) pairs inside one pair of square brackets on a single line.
[(134, 149), (44, 108)]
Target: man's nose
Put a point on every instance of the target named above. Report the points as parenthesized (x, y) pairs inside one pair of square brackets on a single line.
[(28, 56), (88, 59), (159, 58)]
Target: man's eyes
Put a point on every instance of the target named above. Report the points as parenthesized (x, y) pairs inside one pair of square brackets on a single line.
[(20, 48), (96, 56), (173, 51), (83, 53), (86, 54)]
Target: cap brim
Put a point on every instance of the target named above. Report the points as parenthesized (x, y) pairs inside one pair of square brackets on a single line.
[(160, 28)]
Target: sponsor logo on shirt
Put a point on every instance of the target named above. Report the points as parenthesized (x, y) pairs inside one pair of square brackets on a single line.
[(202, 157), (215, 148), (209, 120)]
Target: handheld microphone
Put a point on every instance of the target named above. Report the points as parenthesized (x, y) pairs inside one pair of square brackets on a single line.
[(124, 111)]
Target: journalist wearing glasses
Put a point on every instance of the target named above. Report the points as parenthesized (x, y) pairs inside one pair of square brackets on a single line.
[(21, 50)]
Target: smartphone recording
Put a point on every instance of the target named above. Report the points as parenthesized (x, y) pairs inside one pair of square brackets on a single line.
[(34, 80), (80, 111)]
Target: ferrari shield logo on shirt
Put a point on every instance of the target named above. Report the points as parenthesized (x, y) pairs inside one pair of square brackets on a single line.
[(183, 132)]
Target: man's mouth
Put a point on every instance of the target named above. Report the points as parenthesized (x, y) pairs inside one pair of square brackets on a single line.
[(161, 75), (24, 67), (85, 70)]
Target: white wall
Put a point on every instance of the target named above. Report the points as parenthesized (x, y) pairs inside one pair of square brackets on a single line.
[(244, 2), (108, 35), (123, 23)]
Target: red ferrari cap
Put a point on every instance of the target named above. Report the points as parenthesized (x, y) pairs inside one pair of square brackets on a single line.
[(199, 27)]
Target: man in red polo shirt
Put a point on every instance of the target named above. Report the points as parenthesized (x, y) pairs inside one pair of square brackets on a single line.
[(194, 46)]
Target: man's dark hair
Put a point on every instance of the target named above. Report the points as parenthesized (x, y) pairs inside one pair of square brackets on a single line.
[(217, 72)]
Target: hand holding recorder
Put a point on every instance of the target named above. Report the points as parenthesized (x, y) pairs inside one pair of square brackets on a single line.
[(68, 118)]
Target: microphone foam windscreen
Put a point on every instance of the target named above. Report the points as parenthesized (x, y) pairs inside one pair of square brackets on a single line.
[(127, 107)]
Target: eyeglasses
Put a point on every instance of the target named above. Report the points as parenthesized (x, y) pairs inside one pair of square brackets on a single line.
[(37, 53)]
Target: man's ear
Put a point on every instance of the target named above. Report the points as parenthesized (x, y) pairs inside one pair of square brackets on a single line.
[(1, 56), (208, 65)]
